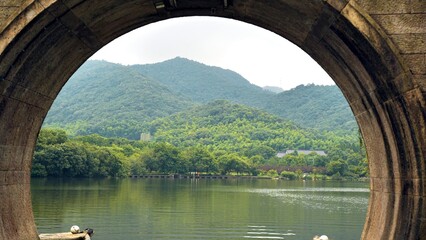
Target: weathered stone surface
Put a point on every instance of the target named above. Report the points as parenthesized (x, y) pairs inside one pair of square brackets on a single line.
[(410, 43), (418, 6), (416, 63), (402, 23), (125, 16), (10, 9), (421, 81), (338, 4), (18, 21), (374, 50), (385, 6), (16, 218)]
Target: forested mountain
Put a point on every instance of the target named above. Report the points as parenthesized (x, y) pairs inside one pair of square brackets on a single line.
[(204, 83), (112, 100), (223, 125), (116, 100), (320, 107)]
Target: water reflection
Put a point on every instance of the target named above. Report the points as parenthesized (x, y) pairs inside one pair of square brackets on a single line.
[(201, 209)]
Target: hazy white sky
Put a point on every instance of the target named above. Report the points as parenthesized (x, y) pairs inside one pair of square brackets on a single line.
[(262, 57)]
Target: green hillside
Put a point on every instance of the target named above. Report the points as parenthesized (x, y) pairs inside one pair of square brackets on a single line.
[(117, 101), (230, 127), (112, 100), (320, 107), (203, 83)]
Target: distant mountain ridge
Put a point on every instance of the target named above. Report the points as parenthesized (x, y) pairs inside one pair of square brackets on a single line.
[(312, 106), (116, 100), (203, 83), (103, 95)]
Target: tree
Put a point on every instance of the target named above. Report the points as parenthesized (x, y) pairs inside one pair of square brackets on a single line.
[(259, 149), (199, 159), (337, 166), (50, 136), (165, 155), (232, 162)]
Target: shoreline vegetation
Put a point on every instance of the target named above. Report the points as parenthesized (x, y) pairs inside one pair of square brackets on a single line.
[(285, 177), (94, 156)]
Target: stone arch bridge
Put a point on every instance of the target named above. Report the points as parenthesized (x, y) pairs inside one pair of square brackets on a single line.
[(375, 50)]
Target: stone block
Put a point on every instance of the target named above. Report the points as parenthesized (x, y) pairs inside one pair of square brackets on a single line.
[(131, 14), (9, 10), (15, 91), (372, 46), (11, 157), (402, 23), (15, 158), (20, 42), (42, 64), (414, 108), (14, 177), (379, 220), (19, 123), (385, 6), (410, 43), (6, 15), (16, 218), (421, 82), (416, 63), (72, 3), (338, 4), (322, 25), (291, 19), (380, 161), (418, 6), (402, 83), (14, 3)]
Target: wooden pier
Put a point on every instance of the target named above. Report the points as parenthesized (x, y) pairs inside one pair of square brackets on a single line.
[(65, 236), (178, 176), (153, 176)]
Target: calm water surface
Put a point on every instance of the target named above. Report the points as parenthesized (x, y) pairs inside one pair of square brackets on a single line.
[(201, 209)]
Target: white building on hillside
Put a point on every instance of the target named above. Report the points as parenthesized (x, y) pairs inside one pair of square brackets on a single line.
[(305, 152)]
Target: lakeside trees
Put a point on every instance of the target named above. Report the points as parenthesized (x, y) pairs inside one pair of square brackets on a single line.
[(57, 155)]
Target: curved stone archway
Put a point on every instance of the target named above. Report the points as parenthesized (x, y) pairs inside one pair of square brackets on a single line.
[(374, 50)]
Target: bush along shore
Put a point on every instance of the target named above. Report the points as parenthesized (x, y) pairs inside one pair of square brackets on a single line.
[(58, 155)]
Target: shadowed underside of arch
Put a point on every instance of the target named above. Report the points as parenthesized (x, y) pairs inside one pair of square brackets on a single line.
[(44, 43)]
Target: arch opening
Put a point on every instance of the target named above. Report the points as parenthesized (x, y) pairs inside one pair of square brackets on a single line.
[(51, 39)]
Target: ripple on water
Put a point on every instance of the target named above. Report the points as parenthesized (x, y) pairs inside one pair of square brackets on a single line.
[(263, 232), (320, 198)]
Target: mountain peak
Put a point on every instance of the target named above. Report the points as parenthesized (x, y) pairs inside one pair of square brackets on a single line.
[(117, 100)]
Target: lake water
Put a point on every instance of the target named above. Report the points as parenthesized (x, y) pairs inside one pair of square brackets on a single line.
[(159, 209)]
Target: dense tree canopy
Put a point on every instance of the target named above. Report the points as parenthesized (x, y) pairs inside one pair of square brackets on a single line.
[(117, 101), (218, 138)]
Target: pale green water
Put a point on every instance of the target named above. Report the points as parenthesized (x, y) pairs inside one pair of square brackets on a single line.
[(201, 209)]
